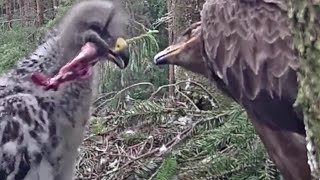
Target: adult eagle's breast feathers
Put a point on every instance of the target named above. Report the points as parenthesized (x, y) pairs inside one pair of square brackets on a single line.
[(249, 46)]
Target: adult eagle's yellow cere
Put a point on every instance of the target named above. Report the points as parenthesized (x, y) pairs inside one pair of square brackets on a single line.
[(246, 47)]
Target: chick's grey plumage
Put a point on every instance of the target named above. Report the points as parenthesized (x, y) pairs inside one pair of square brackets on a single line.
[(40, 131)]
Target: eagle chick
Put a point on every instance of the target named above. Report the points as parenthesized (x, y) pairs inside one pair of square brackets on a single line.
[(40, 131)]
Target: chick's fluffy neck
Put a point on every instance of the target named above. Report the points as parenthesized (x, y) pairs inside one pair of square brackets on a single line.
[(47, 58)]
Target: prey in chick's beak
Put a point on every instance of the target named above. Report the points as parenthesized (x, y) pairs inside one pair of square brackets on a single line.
[(81, 66)]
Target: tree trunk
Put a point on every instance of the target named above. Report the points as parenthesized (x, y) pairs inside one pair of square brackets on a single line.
[(184, 13), (55, 4), (28, 10), (171, 75), (26, 7), (8, 14), (39, 8), (306, 28), (21, 8)]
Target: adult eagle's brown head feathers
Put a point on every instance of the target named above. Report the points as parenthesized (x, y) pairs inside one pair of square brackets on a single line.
[(185, 51), (247, 49)]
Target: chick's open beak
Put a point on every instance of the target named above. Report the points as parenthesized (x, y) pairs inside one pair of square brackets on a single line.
[(120, 54)]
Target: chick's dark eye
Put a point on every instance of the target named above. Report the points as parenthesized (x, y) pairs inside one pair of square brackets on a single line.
[(96, 27)]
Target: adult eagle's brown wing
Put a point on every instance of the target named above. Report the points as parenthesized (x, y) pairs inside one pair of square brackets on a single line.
[(249, 46), (249, 51)]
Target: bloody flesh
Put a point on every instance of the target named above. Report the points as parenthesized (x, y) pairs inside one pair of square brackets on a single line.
[(76, 68)]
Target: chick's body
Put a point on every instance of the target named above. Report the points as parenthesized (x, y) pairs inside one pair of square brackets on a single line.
[(41, 131)]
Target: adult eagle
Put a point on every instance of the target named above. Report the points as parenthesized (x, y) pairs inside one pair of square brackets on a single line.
[(247, 48)]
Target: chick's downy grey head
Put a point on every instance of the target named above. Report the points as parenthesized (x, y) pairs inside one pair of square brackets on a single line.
[(90, 31), (94, 21)]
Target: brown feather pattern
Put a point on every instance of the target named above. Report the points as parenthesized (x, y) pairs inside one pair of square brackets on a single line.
[(250, 40), (249, 52)]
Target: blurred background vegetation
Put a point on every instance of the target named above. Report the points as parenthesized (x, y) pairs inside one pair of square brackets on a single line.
[(149, 122)]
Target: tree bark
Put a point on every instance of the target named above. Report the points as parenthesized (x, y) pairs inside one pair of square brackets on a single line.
[(55, 3), (184, 13), (306, 28), (21, 8), (26, 7), (39, 8), (171, 76), (8, 14), (28, 10)]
